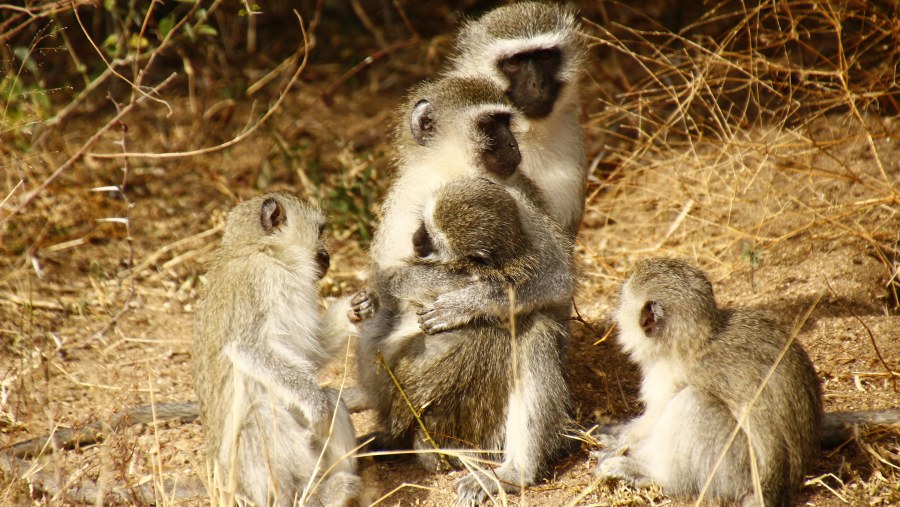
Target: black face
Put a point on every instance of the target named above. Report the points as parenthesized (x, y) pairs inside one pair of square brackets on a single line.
[(501, 155), (533, 86), (323, 260), (422, 244), (652, 318)]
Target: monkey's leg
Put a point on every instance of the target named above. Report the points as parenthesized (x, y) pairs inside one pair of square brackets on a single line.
[(537, 414)]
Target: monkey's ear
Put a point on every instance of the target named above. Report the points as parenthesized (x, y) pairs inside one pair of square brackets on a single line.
[(421, 122), (271, 215), (651, 317)]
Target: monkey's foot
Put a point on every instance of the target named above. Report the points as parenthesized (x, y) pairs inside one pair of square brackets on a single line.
[(339, 489), (477, 487), (362, 307), (474, 489), (612, 447), (624, 469)]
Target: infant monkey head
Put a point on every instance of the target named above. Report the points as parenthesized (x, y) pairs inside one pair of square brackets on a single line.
[(471, 220)]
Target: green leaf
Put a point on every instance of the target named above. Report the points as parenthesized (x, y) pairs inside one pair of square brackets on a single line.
[(207, 30), (165, 26)]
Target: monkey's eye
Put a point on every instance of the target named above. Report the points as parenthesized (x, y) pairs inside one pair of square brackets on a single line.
[(482, 258), (544, 55), (511, 64)]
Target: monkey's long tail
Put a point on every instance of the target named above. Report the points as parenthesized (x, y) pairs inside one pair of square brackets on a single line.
[(66, 438), (839, 427), (12, 464)]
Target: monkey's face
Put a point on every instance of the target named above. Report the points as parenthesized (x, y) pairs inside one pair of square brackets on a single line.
[(456, 124), (533, 78), (291, 229), (534, 51), (472, 221)]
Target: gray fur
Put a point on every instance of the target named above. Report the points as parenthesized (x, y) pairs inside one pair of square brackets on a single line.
[(701, 369), (256, 354), (464, 381), (553, 147)]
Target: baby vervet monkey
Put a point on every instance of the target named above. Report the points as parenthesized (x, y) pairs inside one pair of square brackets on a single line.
[(273, 436), (462, 127), (536, 53), (478, 386), (702, 367)]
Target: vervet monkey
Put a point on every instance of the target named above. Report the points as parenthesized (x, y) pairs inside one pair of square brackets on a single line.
[(478, 386), (536, 53), (457, 127), (271, 431), (702, 367)]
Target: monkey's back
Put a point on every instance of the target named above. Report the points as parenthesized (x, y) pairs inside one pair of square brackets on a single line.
[(223, 314), (784, 421)]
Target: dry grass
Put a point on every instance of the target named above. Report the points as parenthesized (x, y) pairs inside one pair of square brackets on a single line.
[(761, 142)]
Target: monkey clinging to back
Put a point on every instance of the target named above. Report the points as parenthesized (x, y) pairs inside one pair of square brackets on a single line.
[(702, 367), (271, 431)]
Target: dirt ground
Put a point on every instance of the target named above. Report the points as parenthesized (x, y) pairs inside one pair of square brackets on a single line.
[(801, 218)]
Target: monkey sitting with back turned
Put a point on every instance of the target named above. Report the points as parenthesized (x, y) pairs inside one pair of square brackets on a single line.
[(703, 368), (273, 436)]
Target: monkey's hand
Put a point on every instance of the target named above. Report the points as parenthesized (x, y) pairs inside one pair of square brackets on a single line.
[(318, 409), (448, 311), (611, 447), (362, 306)]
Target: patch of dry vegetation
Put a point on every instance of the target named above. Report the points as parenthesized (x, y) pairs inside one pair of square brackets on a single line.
[(759, 140)]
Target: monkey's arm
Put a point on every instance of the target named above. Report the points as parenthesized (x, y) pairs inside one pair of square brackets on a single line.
[(336, 327), (292, 381), (541, 283)]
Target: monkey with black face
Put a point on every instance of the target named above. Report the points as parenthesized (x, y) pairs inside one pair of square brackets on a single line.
[(456, 127), (702, 367), (270, 429), (492, 385), (535, 52)]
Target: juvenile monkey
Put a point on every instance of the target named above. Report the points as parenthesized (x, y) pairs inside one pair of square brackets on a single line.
[(271, 431), (477, 386), (536, 54), (702, 366), (456, 127)]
